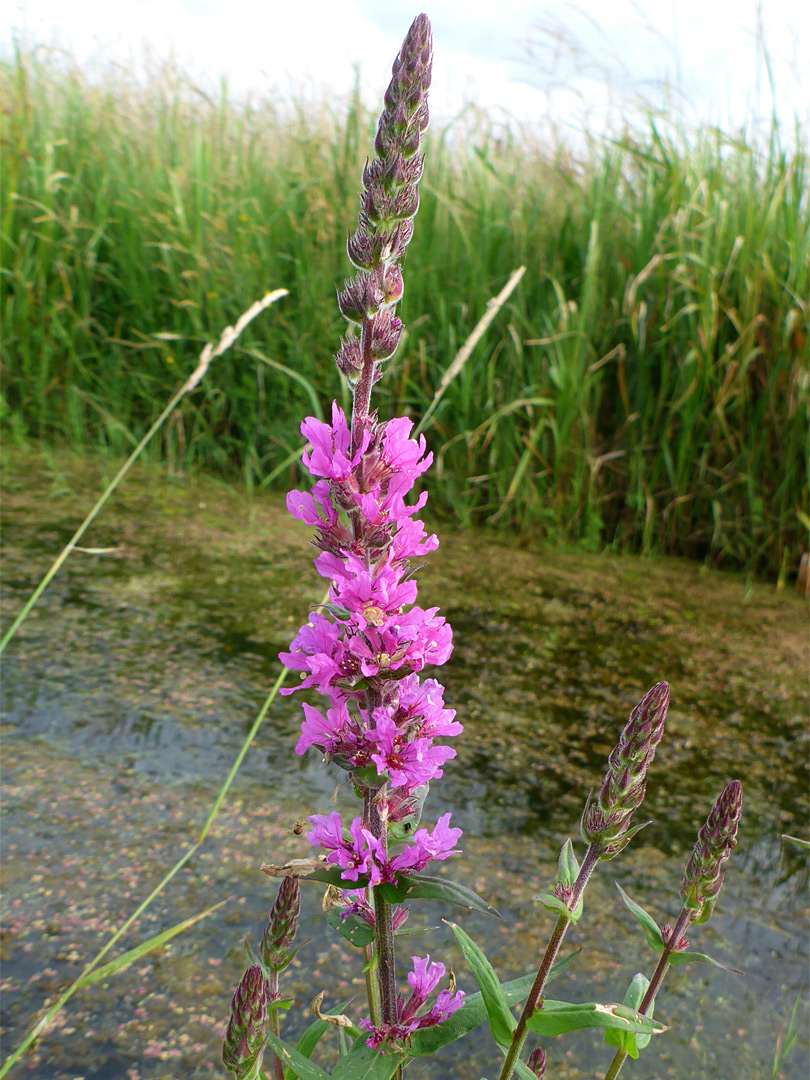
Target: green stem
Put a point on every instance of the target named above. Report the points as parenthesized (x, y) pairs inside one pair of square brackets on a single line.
[(550, 955), (383, 917), (275, 1024), (684, 919), (372, 985), (385, 957)]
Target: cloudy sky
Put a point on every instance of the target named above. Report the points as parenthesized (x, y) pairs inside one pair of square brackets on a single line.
[(534, 60)]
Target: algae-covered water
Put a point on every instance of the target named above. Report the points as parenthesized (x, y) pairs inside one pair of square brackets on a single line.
[(130, 688)]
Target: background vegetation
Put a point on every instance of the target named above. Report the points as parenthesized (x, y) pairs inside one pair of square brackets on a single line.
[(646, 387)]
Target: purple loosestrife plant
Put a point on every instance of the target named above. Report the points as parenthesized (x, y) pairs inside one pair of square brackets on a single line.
[(383, 720), (364, 651), (702, 881)]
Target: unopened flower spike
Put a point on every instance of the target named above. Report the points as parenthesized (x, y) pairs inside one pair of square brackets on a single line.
[(388, 202), (276, 946), (716, 840), (606, 818), (246, 1036)]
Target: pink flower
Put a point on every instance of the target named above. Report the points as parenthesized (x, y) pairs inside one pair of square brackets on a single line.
[(313, 508), (402, 454), (408, 764), (423, 980), (420, 709), (350, 854), (330, 453), (318, 649)]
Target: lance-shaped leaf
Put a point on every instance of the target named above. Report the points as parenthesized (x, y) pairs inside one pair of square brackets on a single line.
[(690, 957), (553, 903), (567, 865), (559, 1017), (363, 1063), (629, 1041), (501, 1021), (295, 1062), (354, 930), (652, 931), (427, 887)]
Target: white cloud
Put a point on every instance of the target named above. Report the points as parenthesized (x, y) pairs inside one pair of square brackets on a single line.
[(502, 55)]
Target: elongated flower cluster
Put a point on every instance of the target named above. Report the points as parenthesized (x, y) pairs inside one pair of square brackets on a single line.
[(606, 819), (423, 980), (717, 838), (365, 649)]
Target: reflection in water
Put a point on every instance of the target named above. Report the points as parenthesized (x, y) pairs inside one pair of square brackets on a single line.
[(127, 695)]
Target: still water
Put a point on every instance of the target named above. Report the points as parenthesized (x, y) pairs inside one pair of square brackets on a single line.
[(131, 687)]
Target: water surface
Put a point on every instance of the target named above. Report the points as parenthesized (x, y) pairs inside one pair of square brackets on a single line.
[(129, 690)]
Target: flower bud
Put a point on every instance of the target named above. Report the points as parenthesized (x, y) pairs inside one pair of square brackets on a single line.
[(360, 247), (245, 1039), (276, 947), (360, 298), (537, 1061), (606, 819), (716, 840), (386, 329), (349, 359)]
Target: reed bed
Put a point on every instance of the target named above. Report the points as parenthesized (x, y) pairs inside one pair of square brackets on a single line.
[(645, 388)]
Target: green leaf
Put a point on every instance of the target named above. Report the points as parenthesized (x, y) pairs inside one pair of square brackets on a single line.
[(426, 887), (394, 894), (651, 929), (331, 875), (567, 865), (414, 930), (523, 1071), (800, 841), (689, 957), (354, 930), (474, 1012), (363, 1063), (501, 1021), (294, 1061), (553, 903), (627, 1040), (559, 1017)]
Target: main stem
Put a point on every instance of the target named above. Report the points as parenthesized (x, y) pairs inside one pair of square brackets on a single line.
[(550, 955), (362, 388), (383, 924), (655, 984)]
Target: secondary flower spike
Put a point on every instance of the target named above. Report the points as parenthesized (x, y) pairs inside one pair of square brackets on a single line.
[(246, 1036), (716, 840), (276, 948), (606, 819)]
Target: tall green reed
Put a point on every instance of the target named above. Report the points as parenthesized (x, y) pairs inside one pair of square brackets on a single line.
[(645, 388)]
